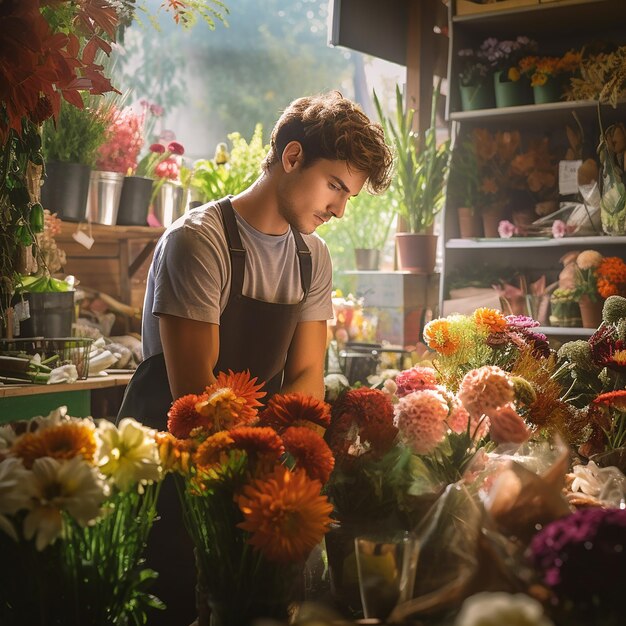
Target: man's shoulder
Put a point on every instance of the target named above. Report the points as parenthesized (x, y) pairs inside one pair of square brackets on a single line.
[(316, 244), (201, 223)]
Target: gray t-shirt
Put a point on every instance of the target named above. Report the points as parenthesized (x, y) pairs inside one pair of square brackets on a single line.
[(190, 273)]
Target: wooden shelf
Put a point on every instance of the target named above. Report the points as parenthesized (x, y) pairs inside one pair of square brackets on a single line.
[(95, 382)]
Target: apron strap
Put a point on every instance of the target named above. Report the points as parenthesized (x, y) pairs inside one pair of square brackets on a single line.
[(306, 265), (235, 247)]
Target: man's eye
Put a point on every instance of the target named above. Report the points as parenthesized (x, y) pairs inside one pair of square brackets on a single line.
[(334, 187)]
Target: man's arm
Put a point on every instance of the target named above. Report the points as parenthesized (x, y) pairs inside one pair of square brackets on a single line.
[(304, 370), (191, 349)]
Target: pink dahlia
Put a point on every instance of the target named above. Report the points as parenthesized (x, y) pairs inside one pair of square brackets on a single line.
[(508, 427), (459, 418), (484, 390), (421, 418), (415, 379)]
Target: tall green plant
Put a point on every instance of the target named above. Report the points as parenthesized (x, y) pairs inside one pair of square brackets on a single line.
[(78, 133), (421, 173), (368, 220)]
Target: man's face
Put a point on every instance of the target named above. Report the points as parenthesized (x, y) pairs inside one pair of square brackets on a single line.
[(310, 196)]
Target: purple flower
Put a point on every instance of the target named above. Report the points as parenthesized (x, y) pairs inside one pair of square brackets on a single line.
[(519, 322), (506, 229), (539, 343), (582, 557)]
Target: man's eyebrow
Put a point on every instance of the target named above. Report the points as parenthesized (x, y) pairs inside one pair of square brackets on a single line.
[(341, 183)]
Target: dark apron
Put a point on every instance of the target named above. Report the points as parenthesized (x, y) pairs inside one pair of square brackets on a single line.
[(254, 335)]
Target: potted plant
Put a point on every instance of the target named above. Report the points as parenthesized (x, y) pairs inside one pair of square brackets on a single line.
[(511, 87), (70, 148), (418, 185), (475, 80), (547, 74), (366, 224)]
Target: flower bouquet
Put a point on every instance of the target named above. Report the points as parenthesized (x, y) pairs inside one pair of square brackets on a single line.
[(124, 141), (77, 502), (250, 489)]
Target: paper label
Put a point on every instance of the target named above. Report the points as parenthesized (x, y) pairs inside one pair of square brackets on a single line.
[(83, 239), (568, 177), (21, 310)]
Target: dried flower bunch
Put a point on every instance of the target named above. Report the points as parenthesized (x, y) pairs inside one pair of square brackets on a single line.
[(77, 501), (602, 78)]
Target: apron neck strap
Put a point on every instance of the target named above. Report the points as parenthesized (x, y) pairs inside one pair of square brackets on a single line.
[(235, 247), (306, 265)]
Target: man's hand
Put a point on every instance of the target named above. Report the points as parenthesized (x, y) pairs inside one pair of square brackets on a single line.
[(191, 349), (304, 370)]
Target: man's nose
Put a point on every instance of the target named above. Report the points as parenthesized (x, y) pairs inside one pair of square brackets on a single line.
[(338, 208)]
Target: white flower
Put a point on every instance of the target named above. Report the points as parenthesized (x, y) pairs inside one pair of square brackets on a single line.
[(7, 437), (593, 480), (73, 486), (335, 384), (15, 492), (128, 454), (499, 608)]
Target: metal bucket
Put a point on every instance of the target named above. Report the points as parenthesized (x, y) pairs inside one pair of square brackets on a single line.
[(169, 203), (103, 199)]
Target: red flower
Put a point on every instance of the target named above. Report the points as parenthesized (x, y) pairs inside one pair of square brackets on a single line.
[(607, 350), (366, 413), (295, 409), (310, 452), (615, 399), (176, 148), (183, 417), (158, 148), (257, 441)]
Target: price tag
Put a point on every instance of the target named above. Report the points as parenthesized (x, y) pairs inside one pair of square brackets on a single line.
[(568, 177), (81, 237)]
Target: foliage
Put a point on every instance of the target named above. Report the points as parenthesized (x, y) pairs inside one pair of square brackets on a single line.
[(77, 506), (418, 185), (602, 78), (79, 132), (216, 178), (183, 12)]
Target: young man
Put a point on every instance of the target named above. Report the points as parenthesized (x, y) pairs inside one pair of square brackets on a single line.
[(243, 283)]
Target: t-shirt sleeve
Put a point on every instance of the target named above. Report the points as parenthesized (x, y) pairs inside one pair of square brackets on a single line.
[(189, 277), (318, 305)]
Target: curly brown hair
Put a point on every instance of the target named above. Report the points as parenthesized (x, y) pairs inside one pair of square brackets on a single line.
[(330, 126)]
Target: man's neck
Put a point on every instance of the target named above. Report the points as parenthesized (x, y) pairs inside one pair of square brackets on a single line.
[(258, 206)]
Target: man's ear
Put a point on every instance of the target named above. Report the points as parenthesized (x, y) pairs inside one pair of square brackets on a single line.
[(293, 156)]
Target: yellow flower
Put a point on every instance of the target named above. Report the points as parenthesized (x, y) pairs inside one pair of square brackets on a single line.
[(513, 74), (64, 440), (128, 454), (285, 514)]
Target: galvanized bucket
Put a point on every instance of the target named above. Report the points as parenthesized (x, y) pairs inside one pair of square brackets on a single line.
[(103, 199), (169, 203)]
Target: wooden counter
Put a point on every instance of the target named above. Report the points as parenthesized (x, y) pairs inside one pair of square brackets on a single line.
[(99, 396)]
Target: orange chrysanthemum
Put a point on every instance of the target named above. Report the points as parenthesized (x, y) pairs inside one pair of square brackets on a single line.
[(438, 336), (182, 418), (231, 401), (258, 441), (310, 452), (64, 441), (611, 277), (175, 454), (211, 451), (295, 409), (285, 514), (492, 319)]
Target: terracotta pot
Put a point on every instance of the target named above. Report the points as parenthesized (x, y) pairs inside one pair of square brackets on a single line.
[(470, 224), (417, 252), (590, 311), (491, 218), (367, 258)]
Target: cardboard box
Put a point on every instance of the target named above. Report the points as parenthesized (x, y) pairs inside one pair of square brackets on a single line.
[(467, 7)]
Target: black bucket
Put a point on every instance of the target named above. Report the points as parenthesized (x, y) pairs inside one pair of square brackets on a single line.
[(51, 314), (65, 190), (134, 201)]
